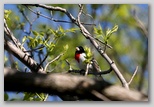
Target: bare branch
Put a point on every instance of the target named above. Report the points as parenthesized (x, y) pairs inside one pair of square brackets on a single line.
[(46, 97), (9, 34), (87, 69), (34, 49), (143, 68), (43, 61), (52, 61), (70, 68), (54, 9), (47, 16), (133, 75), (30, 23), (104, 43), (17, 50), (64, 84), (141, 25), (103, 54), (91, 72), (23, 57), (55, 20)]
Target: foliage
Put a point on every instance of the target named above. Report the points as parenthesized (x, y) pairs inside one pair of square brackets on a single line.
[(88, 55), (99, 33)]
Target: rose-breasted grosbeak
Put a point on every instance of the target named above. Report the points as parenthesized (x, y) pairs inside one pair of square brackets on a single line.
[(80, 58)]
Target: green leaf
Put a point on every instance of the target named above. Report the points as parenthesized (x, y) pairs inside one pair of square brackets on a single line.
[(7, 11), (17, 18), (66, 47), (42, 95), (114, 29), (88, 55), (20, 7), (61, 29), (108, 32), (5, 59), (24, 39), (50, 47), (98, 31), (40, 41), (42, 33), (35, 33), (72, 30), (29, 96), (52, 31), (6, 14), (38, 99)]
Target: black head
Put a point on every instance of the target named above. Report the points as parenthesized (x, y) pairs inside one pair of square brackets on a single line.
[(79, 49)]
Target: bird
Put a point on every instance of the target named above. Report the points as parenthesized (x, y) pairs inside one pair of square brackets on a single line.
[(80, 57)]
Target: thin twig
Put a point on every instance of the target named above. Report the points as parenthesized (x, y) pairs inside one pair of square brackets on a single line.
[(43, 60), (107, 71), (70, 68), (9, 34), (78, 18), (46, 97), (91, 72), (52, 61), (39, 96), (47, 16), (51, 8), (80, 5), (55, 20), (87, 69), (133, 75), (141, 25), (34, 49), (30, 23), (103, 43)]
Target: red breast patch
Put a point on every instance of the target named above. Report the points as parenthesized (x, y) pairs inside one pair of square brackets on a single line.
[(77, 57)]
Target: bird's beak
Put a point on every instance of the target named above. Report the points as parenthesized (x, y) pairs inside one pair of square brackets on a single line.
[(77, 49)]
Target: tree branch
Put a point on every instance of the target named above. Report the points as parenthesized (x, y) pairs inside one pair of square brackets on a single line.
[(54, 9), (9, 35), (133, 75), (83, 72), (19, 51), (87, 35), (45, 68), (23, 57), (64, 84), (141, 25)]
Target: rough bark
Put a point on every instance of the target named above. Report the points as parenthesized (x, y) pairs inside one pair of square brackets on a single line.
[(67, 84)]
